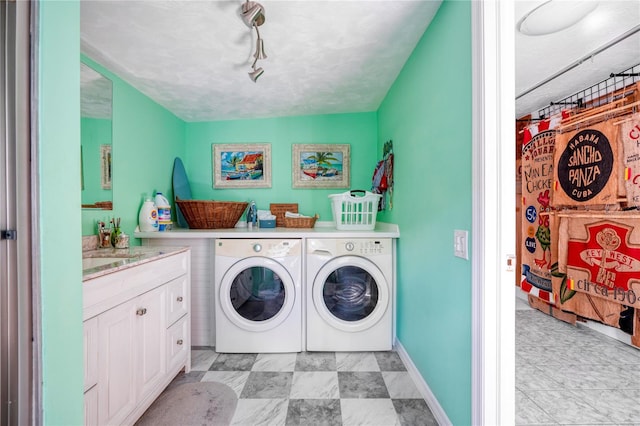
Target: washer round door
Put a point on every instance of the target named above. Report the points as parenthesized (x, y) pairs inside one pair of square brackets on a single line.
[(350, 293), (257, 294)]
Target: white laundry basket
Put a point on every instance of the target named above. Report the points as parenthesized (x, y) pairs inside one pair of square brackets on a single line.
[(351, 212)]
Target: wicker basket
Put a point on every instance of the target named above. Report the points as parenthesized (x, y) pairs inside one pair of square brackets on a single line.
[(204, 214), (300, 222), (278, 210)]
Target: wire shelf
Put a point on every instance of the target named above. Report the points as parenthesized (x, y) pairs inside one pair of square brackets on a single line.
[(608, 90)]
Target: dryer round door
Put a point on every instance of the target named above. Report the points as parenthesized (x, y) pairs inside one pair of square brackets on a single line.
[(257, 294), (350, 293)]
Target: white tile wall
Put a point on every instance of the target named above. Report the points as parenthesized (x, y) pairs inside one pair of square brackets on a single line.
[(202, 285)]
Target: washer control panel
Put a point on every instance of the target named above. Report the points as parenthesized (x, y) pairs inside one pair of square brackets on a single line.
[(273, 248)]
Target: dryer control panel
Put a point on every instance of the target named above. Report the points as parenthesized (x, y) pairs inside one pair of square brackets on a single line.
[(355, 246), (366, 247)]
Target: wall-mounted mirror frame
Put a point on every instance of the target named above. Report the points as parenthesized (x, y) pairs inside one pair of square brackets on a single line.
[(96, 124)]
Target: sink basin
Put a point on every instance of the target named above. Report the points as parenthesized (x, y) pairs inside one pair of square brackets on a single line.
[(94, 262)]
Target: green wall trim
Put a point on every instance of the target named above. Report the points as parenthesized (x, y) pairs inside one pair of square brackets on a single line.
[(59, 216)]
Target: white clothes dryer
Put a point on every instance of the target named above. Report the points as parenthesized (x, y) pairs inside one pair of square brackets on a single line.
[(258, 298), (349, 294)]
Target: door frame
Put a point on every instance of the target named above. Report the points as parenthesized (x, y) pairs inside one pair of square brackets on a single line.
[(22, 357), (493, 221)]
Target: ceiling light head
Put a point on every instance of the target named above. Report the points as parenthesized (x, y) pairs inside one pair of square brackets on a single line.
[(252, 13), (253, 16), (253, 75), (555, 15), (260, 50)]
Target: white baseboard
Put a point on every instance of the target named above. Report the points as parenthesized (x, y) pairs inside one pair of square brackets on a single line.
[(607, 330), (422, 386)]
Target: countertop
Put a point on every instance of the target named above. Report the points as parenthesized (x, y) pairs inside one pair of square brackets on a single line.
[(321, 230), (127, 258)]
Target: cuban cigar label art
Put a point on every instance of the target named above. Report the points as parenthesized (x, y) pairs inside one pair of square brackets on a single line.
[(537, 179), (607, 264)]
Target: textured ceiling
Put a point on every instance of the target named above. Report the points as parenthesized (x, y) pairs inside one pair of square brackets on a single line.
[(193, 57), (96, 91), (325, 56), (539, 57)]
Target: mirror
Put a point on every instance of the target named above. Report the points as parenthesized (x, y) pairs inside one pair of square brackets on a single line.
[(96, 139)]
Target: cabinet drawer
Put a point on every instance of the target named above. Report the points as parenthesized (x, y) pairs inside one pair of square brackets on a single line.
[(110, 290), (178, 344), (90, 329), (177, 299)]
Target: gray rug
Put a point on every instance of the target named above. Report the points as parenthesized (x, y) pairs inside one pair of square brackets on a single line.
[(200, 403)]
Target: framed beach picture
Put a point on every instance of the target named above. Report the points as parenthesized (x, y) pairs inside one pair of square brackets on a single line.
[(105, 165), (242, 165), (320, 166)]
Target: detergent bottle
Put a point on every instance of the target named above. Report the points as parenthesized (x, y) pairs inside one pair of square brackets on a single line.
[(148, 217), (164, 212)]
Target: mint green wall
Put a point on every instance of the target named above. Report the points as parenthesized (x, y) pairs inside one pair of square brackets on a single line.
[(94, 132), (59, 211), (146, 139), (427, 114), (358, 130)]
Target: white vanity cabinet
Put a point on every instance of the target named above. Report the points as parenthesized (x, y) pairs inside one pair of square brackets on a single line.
[(131, 318)]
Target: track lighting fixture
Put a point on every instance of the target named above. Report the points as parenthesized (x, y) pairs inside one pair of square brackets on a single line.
[(252, 13), (259, 50), (253, 16), (253, 75)]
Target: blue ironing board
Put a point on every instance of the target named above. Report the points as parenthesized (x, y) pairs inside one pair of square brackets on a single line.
[(181, 189)]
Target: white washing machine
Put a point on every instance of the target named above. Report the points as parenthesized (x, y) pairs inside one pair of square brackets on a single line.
[(258, 298), (349, 294)]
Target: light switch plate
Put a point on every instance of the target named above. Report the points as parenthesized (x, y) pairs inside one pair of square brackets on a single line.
[(460, 244)]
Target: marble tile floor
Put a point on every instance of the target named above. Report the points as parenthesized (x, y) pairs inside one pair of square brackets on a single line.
[(573, 375), (314, 388)]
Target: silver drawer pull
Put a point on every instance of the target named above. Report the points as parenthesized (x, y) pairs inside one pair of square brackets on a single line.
[(179, 299), (140, 312), (179, 341)]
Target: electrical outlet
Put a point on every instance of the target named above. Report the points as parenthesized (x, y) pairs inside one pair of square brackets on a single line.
[(460, 244)]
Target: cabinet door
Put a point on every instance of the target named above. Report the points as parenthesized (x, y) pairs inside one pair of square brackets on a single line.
[(178, 345), (116, 389), (151, 327), (90, 328), (177, 299)]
